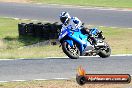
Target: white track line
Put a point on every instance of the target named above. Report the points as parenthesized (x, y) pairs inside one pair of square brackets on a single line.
[(122, 55), (84, 7), (37, 80), (6, 59), (4, 81), (41, 79), (117, 55)]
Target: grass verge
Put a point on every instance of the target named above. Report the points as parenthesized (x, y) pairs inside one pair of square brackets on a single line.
[(11, 45), (119, 39), (100, 3), (59, 84)]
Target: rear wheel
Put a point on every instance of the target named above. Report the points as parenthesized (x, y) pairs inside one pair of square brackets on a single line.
[(72, 52), (105, 52)]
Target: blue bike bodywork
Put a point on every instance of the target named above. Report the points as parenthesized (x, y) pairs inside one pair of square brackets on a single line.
[(76, 36)]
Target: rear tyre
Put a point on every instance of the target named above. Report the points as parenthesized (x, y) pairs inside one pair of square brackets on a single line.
[(71, 52), (106, 52)]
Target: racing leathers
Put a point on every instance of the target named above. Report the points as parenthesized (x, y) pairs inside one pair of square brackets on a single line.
[(74, 23)]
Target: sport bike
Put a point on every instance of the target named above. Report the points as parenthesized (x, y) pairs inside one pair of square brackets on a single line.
[(74, 43)]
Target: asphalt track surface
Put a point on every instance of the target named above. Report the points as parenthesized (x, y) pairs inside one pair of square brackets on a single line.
[(92, 16), (31, 69)]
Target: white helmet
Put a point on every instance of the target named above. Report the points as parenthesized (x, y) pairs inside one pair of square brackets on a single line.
[(64, 17)]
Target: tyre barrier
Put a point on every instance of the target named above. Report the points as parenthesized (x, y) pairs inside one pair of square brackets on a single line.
[(39, 30)]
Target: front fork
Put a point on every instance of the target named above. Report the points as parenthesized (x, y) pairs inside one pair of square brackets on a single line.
[(70, 42)]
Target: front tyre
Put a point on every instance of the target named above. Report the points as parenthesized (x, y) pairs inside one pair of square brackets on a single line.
[(72, 52), (105, 52)]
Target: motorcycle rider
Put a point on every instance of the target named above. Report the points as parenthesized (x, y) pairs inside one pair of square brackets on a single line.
[(73, 23)]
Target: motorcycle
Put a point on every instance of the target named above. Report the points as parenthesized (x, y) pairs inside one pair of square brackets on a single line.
[(74, 43)]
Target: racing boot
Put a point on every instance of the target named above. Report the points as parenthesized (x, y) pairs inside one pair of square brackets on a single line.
[(100, 35), (92, 40)]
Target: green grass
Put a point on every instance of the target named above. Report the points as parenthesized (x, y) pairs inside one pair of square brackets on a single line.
[(12, 46), (34, 52), (102, 3), (9, 36), (119, 39)]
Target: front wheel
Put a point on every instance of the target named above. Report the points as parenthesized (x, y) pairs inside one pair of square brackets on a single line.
[(72, 52), (105, 52)]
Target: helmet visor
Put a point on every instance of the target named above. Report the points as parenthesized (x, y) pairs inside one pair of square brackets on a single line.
[(63, 19)]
